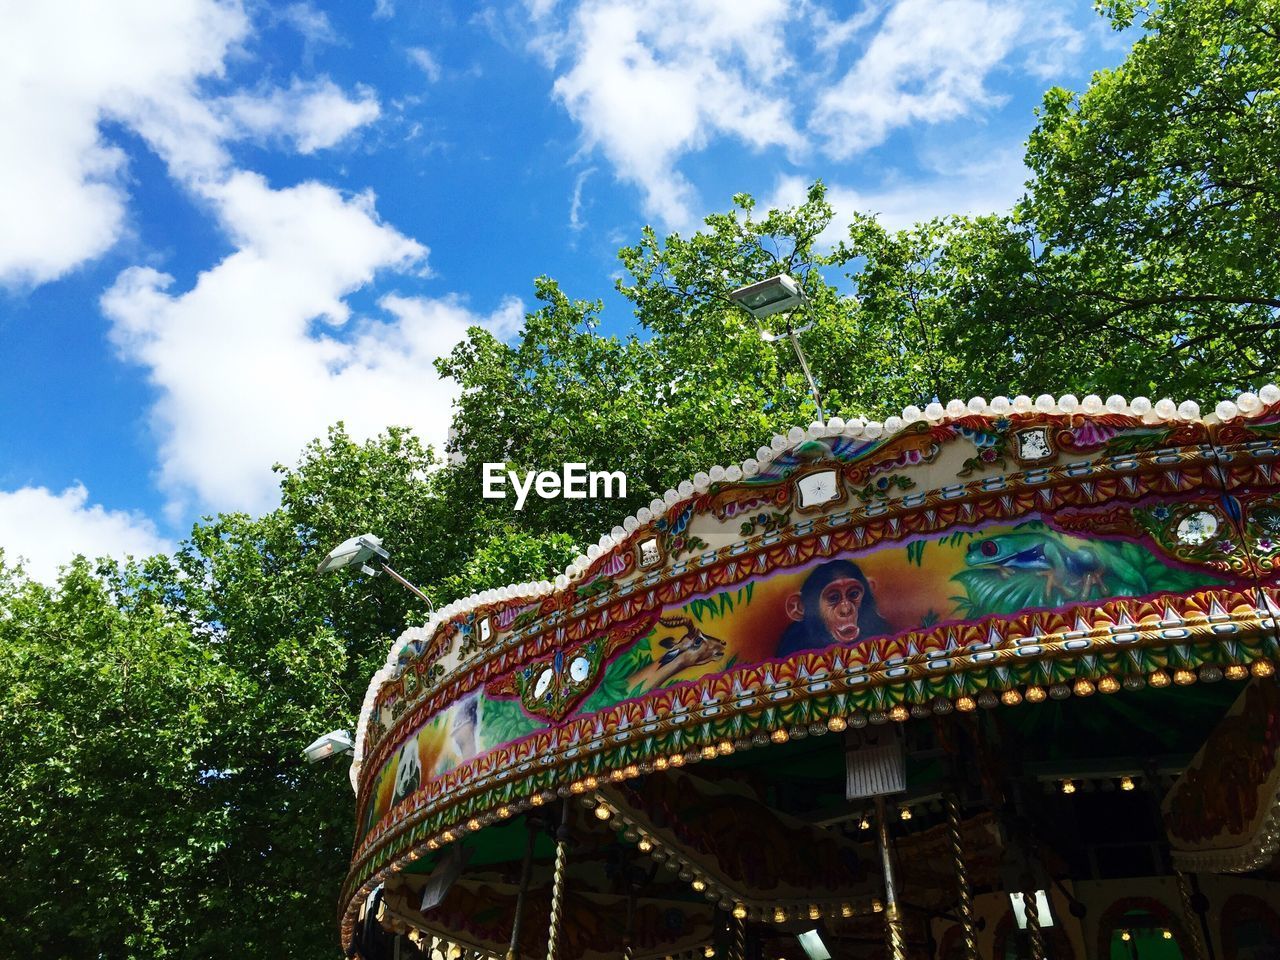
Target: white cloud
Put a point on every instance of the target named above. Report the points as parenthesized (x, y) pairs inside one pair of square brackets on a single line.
[(653, 79), (1054, 43), (832, 34), (576, 222), (314, 114), (263, 352), (425, 61), (66, 66), (312, 24), (928, 62), (956, 185), (245, 373), (47, 529)]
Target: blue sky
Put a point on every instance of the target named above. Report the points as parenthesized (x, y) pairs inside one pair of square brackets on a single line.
[(225, 225)]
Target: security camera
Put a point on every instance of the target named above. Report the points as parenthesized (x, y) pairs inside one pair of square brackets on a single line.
[(330, 745)]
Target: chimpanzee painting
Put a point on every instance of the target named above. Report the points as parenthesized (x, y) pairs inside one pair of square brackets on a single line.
[(834, 605)]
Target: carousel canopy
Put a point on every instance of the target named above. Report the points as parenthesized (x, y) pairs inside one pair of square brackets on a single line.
[(1093, 558)]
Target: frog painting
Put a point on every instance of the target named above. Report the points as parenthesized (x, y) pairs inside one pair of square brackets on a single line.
[(1034, 566)]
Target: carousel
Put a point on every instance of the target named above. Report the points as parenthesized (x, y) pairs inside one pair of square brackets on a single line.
[(986, 680)]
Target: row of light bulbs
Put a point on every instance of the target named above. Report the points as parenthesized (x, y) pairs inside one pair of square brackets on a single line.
[(1126, 783), (898, 713), (1127, 935), (710, 888)]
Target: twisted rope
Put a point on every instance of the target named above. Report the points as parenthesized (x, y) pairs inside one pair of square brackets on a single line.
[(557, 885), (1034, 933), (962, 878), (1190, 919), (892, 915), (897, 938)]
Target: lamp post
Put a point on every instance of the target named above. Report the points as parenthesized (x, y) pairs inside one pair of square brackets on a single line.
[(775, 295), (359, 551), (330, 745)]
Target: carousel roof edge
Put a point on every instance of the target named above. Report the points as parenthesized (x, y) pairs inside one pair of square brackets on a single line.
[(1165, 410)]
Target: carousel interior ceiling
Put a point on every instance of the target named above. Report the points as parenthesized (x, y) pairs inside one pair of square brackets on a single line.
[(776, 823)]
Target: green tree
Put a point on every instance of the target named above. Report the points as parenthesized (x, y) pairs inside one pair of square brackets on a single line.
[(154, 802), (1154, 210), (696, 386), (108, 712)]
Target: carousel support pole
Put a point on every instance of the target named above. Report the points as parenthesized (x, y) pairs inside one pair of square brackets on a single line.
[(739, 949), (962, 878), (557, 883), (526, 872), (1191, 920), (1034, 934), (892, 912)]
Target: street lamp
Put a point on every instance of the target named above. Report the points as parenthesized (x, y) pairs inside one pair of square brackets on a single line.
[(360, 551), (330, 745), (778, 294)]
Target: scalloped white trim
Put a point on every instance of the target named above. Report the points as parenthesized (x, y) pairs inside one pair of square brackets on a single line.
[(1245, 405)]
